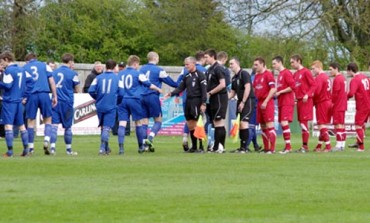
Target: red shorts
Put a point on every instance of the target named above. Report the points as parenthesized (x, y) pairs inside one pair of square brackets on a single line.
[(323, 112), (267, 114), (361, 117), (305, 110), (338, 117), (286, 113)]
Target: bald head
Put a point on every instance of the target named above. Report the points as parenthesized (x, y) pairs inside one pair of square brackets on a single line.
[(153, 57)]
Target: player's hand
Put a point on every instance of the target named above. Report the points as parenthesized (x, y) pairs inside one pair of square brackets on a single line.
[(177, 100), (277, 93), (160, 90), (305, 98), (203, 108), (54, 102), (166, 96), (264, 105), (24, 101), (241, 106)]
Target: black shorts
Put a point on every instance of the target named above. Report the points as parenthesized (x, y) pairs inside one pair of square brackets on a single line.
[(218, 106), (247, 111), (192, 108)]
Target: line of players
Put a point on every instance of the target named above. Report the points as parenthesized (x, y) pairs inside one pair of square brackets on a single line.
[(301, 88), (140, 98), (28, 88)]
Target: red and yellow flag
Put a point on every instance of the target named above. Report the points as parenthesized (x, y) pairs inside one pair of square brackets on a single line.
[(234, 132), (200, 131)]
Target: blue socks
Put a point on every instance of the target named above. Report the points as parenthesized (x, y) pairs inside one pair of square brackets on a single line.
[(145, 131), (155, 129), (24, 136), (121, 134), (68, 136), (47, 132), (31, 137), (186, 129), (53, 136), (211, 135), (9, 137), (104, 139), (140, 134)]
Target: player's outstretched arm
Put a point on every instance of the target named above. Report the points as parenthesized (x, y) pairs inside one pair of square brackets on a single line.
[(53, 91)]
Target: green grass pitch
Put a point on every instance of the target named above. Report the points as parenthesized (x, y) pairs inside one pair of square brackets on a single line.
[(171, 186)]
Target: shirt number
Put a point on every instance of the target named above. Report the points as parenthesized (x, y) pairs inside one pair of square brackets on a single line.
[(105, 88)]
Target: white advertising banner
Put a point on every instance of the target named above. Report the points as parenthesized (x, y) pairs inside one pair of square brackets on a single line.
[(349, 122), (85, 119)]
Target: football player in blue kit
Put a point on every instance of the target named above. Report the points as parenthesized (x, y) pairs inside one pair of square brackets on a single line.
[(151, 103), (104, 89), (67, 83), (13, 83), (132, 84), (40, 87)]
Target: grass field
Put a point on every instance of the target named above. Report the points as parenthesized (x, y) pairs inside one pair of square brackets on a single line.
[(171, 186)]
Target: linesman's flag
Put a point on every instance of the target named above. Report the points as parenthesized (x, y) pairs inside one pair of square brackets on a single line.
[(199, 131), (234, 132)]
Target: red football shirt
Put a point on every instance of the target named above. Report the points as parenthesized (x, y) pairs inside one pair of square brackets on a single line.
[(262, 84), (285, 79), (360, 87), (304, 83), (322, 89), (339, 95)]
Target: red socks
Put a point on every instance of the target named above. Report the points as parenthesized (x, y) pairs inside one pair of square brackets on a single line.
[(286, 135)]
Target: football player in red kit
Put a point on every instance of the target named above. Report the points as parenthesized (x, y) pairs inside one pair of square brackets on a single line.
[(264, 86), (322, 101), (359, 87), (285, 96), (339, 105), (304, 89)]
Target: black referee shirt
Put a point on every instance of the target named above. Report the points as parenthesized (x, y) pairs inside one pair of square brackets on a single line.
[(195, 85), (214, 74)]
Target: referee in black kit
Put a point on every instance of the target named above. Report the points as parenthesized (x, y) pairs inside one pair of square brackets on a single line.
[(218, 99), (195, 84), (241, 86)]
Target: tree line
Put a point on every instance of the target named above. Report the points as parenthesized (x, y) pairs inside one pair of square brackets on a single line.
[(101, 29)]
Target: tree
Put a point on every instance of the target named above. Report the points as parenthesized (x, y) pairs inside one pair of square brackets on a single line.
[(343, 25), (180, 28), (18, 25)]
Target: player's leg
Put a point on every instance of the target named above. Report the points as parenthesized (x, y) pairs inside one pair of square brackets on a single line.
[(121, 136), (24, 137), (55, 120), (285, 117), (245, 116), (192, 124), (46, 112), (31, 111), (9, 138), (122, 123), (219, 102), (67, 121), (360, 120), (134, 107), (19, 122), (8, 115)]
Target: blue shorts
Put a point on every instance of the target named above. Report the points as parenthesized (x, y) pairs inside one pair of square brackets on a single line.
[(152, 106), (38, 100), (63, 113), (130, 106), (12, 113), (107, 118)]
